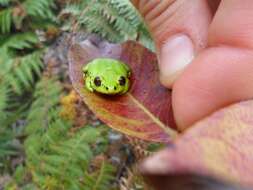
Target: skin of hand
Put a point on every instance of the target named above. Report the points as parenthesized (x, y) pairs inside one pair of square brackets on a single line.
[(205, 54), (106, 76)]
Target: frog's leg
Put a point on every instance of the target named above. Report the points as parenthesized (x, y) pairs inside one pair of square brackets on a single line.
[(88, 85)]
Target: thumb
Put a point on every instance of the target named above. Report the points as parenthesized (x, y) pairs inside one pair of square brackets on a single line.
[(222, 73), (179, 29)]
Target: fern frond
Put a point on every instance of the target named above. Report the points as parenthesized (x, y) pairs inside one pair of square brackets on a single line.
[(71, 9), (20, 71), (145, 38), (10, 107), (20, 41), (29, 65), (5, 20), (23, 70), (38, 118), (7, 143), (127, 11), (120, 17), (101, 179), (39, 8), (3, 100), (60, 163), (97, 24), (71, 156), (115, 20), (56, 158)]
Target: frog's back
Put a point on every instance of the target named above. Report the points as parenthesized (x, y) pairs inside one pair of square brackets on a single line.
[(103, 64)]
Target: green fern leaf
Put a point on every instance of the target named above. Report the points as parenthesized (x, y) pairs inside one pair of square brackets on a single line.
[(21, 73), (100, 180), (39, 8), (38, 118), (115, 20), (5, 21), (20, 41)]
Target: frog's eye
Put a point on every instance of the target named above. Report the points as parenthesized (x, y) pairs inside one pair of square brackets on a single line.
[(122, 81), (97, 81)]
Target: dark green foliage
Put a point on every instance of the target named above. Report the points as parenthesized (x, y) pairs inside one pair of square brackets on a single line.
[(20, 52), (48, 153), (21, 66), (55, 157)]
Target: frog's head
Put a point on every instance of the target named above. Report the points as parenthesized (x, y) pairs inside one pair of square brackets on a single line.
[(107, 79), (111, 83), (106, 76)]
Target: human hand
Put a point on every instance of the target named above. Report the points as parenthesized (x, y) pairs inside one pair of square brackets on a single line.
[(205, 53)]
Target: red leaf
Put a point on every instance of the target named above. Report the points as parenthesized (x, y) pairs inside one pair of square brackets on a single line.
[(145, 111), (219, 146)]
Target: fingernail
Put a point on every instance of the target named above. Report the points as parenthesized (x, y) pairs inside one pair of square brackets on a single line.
[(156, 164), (175, 54)]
